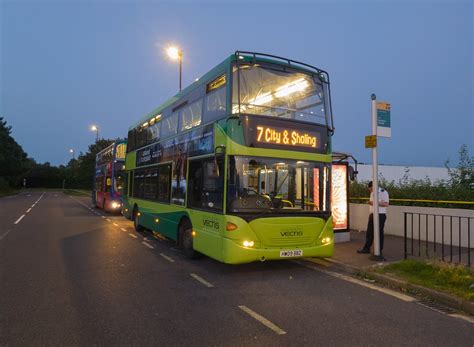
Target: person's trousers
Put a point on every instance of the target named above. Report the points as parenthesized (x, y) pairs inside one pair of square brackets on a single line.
[(369, 237)]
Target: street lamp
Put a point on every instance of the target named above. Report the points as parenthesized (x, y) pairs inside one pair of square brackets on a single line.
[(73, 154), (176, 53), (96, 129)]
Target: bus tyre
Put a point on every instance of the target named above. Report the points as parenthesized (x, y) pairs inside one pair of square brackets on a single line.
[(136, 223), (187, 242)]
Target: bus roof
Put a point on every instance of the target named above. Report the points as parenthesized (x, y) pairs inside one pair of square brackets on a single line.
[(246, 57)]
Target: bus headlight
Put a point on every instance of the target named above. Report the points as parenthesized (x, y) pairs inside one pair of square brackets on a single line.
[(248, 243), (326, 240), (115, 204)]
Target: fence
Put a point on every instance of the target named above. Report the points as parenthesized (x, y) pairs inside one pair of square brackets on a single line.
[(442, 237)]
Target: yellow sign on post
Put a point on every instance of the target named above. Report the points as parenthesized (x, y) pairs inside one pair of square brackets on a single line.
[(371, 141)]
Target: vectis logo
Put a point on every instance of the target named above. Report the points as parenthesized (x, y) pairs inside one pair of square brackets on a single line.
[(210, 223), (291, 233)]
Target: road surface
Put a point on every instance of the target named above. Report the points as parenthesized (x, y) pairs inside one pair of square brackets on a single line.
[(73, 275)]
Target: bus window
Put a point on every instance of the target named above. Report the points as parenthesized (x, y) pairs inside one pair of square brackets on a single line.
[(164, 183), (215, 104), (191, 115), (170, 125), (206, 185), (277, 184), (151, 184)]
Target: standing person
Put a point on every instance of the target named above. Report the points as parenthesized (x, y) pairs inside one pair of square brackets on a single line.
[(383, 203)]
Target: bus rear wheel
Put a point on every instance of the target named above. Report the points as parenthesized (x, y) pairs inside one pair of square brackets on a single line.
[(136, 223), (186, 236)]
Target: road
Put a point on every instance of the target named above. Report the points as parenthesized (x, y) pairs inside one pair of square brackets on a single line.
[(72, 275)]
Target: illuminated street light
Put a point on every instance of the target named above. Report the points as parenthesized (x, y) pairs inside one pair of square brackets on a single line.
[(73, 153), (96, 129), (176, 53)]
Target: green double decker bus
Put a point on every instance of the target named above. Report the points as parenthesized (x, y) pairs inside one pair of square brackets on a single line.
[(237, 165)]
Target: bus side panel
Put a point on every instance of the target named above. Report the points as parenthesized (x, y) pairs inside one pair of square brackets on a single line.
[(209, 228)]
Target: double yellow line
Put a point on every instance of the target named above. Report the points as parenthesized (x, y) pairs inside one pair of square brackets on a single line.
[(422, 200)]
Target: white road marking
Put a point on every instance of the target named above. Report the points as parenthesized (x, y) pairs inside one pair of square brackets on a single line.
[(28, 210), (19, 219), (115, 224), (108, 219), (262, 320), (171, 260), (123, 229), (28, 195), (33, 205), (134, 236), (103, 217), (5, 234), (469, 319), (148, 245), (390, 292), (202, 280)]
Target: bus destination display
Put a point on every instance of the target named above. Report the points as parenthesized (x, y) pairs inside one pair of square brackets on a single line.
[(287, 134)]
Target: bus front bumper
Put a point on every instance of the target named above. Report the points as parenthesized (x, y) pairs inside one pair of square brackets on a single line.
[(234, 253)]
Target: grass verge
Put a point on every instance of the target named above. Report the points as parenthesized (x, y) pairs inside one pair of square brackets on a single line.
[(7, 192), (450, 278), (78, 192)]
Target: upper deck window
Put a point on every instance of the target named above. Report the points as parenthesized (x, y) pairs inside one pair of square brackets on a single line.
[(191, 115), (169, 125), (277, 91)]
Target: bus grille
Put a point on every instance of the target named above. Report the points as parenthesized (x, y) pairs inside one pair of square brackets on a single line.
[(280, 241)]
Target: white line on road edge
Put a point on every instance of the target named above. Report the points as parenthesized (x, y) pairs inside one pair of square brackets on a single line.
[(171, 260), (2, 236), (202, 280), (19, 219), (103, 217), (123, 229), (108, 219), (148, 245), (393, 293), (134, 236), (262, 320), (28, 210), (115, 224)]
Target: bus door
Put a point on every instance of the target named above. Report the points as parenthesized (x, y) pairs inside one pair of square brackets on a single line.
[(205, 201)]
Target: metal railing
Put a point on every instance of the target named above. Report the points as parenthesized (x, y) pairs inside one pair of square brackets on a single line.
[(444, 237)]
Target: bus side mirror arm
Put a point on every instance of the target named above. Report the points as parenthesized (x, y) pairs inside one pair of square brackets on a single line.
[(219, 151)]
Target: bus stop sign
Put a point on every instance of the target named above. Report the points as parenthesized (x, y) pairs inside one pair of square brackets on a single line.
[(371, 141)]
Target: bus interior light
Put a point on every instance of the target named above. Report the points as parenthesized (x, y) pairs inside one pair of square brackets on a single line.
[(157, 220), (230, 226), (265, 98), (139, 214), (293, 87)]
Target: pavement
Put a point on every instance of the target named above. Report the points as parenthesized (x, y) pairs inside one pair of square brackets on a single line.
[(73, 275), (346, 252)]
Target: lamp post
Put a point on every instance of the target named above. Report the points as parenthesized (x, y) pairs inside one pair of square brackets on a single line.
[(176, 53), (73, 153), (96, 129)]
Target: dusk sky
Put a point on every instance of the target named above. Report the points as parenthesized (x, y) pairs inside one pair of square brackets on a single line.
[(67, 65)]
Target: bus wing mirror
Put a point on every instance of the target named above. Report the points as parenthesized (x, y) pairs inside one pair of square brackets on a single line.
[(352, 173), (219, 152)]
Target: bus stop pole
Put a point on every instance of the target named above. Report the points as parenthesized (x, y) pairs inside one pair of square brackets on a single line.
[(375, 181)]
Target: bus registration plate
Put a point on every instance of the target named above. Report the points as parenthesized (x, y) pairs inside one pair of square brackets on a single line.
[(291, 253)]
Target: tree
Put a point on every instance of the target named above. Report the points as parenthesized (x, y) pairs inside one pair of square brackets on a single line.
[(13, 160), (463, 175)]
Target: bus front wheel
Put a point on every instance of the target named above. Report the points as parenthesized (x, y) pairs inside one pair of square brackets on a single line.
[(136, 223), (186, 235)]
